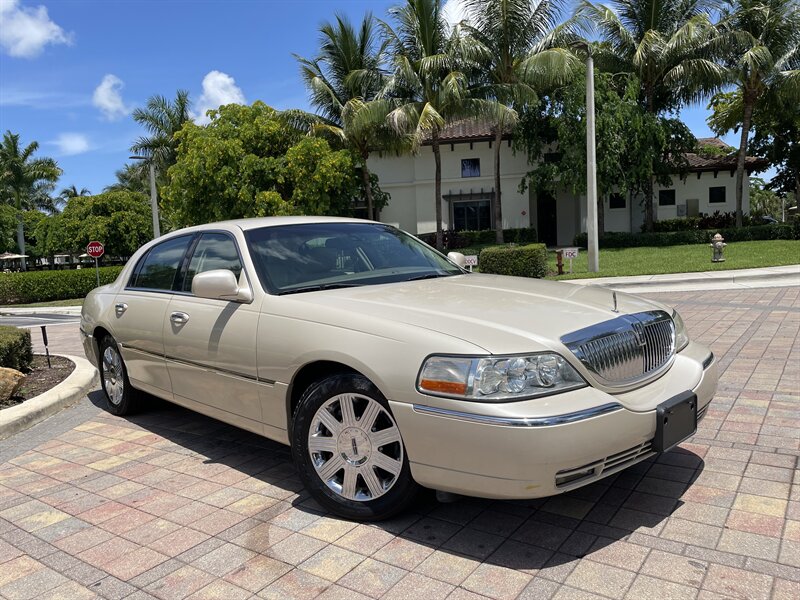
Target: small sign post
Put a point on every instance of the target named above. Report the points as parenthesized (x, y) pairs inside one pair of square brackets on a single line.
[(95, 250), (471, 261), (570, 253)]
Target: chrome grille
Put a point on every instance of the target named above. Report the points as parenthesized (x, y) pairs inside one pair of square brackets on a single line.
[(625, 350)]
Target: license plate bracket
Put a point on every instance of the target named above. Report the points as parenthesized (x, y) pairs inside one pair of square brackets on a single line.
[(676, 421)]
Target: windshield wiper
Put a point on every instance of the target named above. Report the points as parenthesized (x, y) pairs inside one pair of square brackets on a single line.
[(428, 276), (316, 288)]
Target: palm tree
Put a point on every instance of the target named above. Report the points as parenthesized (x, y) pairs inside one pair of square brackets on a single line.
[(518, 37), (429, 84), (25, 181), (667, 44), (162, 119), (131, 177), (342, 79), (73, 192), (762, 59)]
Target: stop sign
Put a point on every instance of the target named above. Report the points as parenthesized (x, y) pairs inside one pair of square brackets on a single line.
[(95, 249)]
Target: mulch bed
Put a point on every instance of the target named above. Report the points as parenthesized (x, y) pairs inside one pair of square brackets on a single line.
[(41, 378)]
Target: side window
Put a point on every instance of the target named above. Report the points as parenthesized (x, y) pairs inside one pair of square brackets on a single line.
[(213, 251), (157, 270)]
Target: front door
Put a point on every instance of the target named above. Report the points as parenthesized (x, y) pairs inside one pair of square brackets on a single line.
[(210, 344), (547, 226)]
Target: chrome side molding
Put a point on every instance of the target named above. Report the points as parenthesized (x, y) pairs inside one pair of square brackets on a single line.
[(579, 415)]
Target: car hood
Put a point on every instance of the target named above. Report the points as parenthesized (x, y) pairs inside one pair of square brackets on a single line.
[(500, 314)]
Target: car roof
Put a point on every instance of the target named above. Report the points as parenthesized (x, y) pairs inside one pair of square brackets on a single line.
[(257, 223)]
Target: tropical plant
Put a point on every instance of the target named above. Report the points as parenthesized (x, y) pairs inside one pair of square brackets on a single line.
[(25, 181), (520, 63), (344, 77), (668, 44), (429, 82), (73, 192), (254, 162), (162, 119), (133, 177), (761, 45)]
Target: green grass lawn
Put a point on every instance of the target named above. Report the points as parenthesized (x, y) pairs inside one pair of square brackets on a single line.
[(615, 262), (73, 302)]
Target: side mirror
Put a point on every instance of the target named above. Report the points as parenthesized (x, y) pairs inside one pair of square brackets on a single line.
[(458, 258), (221, 284)]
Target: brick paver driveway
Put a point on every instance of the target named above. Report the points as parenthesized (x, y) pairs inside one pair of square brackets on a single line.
[(172, 505)]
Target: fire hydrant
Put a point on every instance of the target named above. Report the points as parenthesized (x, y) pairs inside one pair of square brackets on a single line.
[(717, 246)]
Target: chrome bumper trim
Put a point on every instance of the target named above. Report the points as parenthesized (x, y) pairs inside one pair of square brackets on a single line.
[(520, 421), (707, 362)]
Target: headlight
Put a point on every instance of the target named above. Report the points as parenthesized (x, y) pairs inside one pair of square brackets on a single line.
[(497, 378), (681, 337)]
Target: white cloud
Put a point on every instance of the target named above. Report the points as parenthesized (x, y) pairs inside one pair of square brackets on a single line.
[(69, 144), (24, 32), (108, 98), (218, 88), (454, 11)]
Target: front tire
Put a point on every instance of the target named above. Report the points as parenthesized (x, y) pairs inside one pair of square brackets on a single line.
[(122, 398), (348, 450)]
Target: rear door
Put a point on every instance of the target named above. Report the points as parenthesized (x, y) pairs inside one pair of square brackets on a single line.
[(139, 311), (210, 344)]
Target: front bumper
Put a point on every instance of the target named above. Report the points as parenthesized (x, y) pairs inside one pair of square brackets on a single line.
[(89, 348), (507, 455)]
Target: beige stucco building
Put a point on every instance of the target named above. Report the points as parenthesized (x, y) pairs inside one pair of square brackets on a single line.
[(468, 188)]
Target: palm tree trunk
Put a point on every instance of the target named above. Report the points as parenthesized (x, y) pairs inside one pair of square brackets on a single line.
[(437, 157), (21, 239), (367, 186), (746, 120), (498, 209)]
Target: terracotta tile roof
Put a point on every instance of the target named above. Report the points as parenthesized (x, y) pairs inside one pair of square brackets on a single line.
[(698, 162), (471, 130)]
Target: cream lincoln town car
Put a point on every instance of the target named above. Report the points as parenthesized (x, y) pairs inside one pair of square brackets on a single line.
[(386, 366)]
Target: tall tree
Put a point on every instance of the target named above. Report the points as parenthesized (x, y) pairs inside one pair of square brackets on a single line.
[(344, 77), (133, 177), (429, 83), (73, 192), (25, 180), (162, 119), (520, 63), (667, 44), (761, 45)]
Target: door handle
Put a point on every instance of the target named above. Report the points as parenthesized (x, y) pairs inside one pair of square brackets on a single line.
[(179, 318), (120, 307)]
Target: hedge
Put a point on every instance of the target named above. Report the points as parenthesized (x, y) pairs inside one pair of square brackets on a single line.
[(16, 351), (619, 239), (454, 240), (520, 261), (43, 286)]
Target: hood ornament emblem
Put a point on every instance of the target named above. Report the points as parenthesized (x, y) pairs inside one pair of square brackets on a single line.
[(614, 297)]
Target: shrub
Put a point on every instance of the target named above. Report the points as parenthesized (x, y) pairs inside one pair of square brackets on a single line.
[(16, 351), (619, 239), (717, 220), (43, 286), (463, 239), (520, 261)]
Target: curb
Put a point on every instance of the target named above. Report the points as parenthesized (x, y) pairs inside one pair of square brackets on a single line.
[(68, 392), (42, 310)]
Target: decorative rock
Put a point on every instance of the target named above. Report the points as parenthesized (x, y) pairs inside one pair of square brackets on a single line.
[(10, 380)]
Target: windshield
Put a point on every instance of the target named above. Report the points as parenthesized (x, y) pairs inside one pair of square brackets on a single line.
[(315, 256)]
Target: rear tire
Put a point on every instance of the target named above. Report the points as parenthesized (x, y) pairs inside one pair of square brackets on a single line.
[(122, 398), (348, 450)]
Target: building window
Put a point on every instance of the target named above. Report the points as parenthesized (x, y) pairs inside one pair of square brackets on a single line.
[(616, 200), (474, 215), (552, 157), (716, 195), (666, 198), (470, 167)]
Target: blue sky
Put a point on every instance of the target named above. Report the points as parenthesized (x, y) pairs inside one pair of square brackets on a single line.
[(72, 70)]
